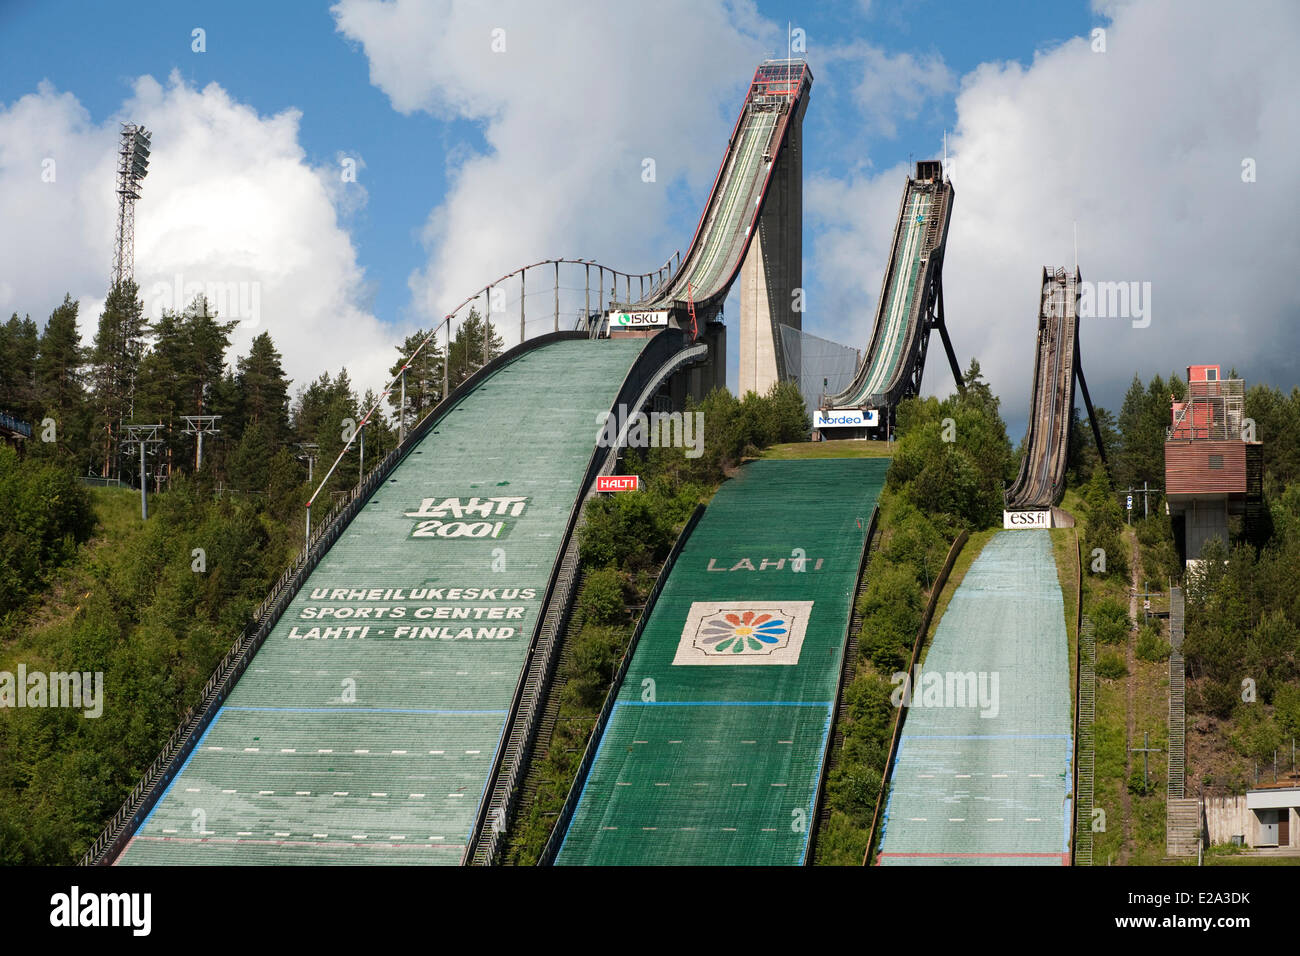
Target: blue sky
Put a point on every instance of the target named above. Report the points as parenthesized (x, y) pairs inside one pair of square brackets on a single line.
[(289, 55), (890, 79)]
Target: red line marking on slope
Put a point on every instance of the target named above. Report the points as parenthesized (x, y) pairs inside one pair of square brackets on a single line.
[(1063, 857), (325, 843)]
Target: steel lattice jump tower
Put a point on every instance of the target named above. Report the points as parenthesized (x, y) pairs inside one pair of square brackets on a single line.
[(132, 166)]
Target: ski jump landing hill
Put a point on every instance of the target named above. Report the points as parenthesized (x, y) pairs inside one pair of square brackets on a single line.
[(714, 748), (381, 706)]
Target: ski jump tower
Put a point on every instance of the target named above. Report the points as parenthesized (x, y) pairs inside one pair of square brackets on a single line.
[(751, 229), (771, 275)]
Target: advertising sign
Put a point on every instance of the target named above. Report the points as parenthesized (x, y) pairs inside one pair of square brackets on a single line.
[(618, 482), (845, 418), (1026, 519), (637, 320)]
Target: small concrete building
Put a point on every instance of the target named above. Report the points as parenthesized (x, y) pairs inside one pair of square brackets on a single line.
[(1266, 817)]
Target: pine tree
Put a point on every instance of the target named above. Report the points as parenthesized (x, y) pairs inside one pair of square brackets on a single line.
[(469, 350), (327, 415), (206, 342), (159, 393), (250, 463), (423, 378), (977, 392), (19, 343), (263, 389), (380, 436), (115, 357), (1129, 461), (59, 384), (309, 408)]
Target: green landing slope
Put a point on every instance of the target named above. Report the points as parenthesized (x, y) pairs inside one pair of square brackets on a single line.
[(365, 728), (714, 748), (982, 774)]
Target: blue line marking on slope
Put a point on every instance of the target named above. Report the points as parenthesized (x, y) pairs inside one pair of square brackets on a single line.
[(723, 703), (179, 773), (582, 794), (812, 801), (984, 737)]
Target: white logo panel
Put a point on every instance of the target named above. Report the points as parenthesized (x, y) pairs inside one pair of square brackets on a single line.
[(743, 632)]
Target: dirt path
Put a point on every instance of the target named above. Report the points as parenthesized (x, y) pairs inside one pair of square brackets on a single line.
[(1130, 708)]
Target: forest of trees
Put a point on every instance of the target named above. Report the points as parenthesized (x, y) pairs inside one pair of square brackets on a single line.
[(83, 395), (86, 585), (1242, 643), (135, 609)]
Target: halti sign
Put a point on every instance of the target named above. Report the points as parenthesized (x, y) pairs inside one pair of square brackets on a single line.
[(1026, 519), (846, 418), (618, 482), (637, 320)]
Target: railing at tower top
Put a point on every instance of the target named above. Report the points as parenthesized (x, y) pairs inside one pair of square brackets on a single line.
[(1210, 411), (497, 302)]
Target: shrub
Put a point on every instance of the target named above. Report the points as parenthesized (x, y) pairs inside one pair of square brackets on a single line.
[(1150, 645), (1111, 666), (44, 514), (1216, 698), (602, 597), (1111, 622), (1142, 784), (590, 670)]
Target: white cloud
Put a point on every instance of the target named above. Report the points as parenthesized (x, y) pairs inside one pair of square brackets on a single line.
[(230, 198), (583, 93), (1141, 145), (889, 89)]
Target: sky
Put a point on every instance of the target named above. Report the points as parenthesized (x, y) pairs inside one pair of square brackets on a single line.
[(351, 171)]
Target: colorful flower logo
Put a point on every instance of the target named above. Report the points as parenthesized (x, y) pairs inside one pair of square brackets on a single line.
[(741, 633)]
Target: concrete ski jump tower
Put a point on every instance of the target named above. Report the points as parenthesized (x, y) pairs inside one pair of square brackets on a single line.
[(772, 270)]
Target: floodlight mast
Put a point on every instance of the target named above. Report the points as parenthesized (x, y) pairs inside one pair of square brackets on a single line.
[(132, 167)]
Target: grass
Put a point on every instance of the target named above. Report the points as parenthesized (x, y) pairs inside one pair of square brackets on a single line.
[(117, 519), (1139, 839), (839, 448), (1063, 550), (1242, 856)]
